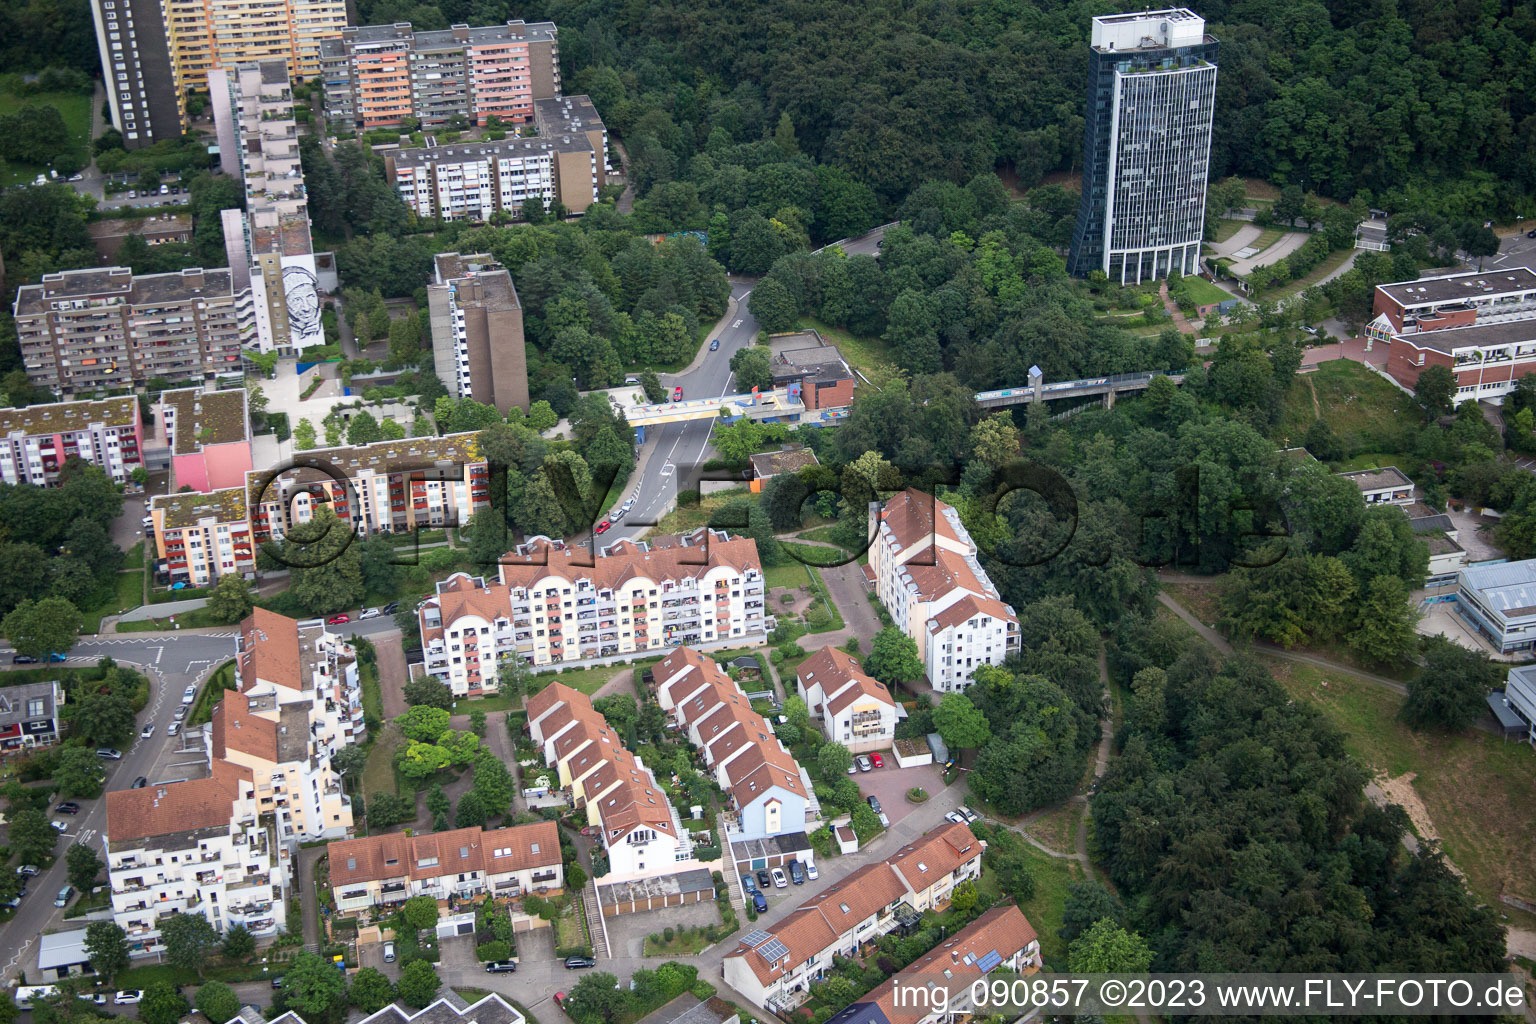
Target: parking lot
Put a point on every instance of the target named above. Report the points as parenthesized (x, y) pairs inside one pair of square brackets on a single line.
[(889, 785)]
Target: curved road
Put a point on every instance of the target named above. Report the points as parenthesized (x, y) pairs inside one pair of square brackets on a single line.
[(672, 453)]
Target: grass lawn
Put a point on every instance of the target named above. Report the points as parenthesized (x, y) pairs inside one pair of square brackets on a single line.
[(194, 619), (1332, 262), (826, 600), (1201, 599), (379, 772), (685, 518), (1057, 827), (128, 593), (865, 353), (1203, 292), (1258, 188), (689, 942), (1365, 411), (75, 108), (1267, 239), (1052, 877), (373, 691), (794, 574), (1225, 229), (1478, 791), (587, 680), (222, 680)]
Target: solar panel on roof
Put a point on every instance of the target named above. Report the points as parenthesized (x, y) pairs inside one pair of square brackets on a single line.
[(773, 950), (756, 938), (991, 960)]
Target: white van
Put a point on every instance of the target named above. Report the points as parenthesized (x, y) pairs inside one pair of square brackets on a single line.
[(27, 994)]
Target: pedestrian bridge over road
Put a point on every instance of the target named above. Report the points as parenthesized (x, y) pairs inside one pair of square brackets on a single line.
[(782, 404), (1038, 391)]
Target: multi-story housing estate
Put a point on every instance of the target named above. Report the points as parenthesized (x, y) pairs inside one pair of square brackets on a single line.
[(379, 871), (1000, 938), (774, 967), (548, 608), (1146, 145), (29, 715), (209, 437), (36, 440), (770, 793), (196, 847), (82, 331), (268, 244), (566, 161), (477, 331), (641, 832), (377, 76), (923, 564), (200, 537), (1480, 326), (153, 53), (384, 487), (853, 708), (306, 665)]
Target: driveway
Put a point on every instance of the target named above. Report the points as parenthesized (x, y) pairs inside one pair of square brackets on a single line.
[(392, 673), (1283, 247), (889, 785), (845, 584)]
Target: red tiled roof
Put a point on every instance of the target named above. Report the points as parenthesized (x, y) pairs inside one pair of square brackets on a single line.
[(967, 608), (269, 650), (234, 727), (841, 678), (175, 807), (935, 854), (395, 855), (949, 571), (693, 562), (914, 516), (953, 965)]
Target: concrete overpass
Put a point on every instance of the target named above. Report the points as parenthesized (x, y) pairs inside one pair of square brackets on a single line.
[(1039, 391), (781, 404)]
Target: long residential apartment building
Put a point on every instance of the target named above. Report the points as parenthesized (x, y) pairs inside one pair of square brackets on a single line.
[(153, 52), (770, 793), (383, 870), (82, 331), (36, 440), (566, 161), (641, 832), (200, 537), (477, 331), (548, 608), (774, 967), (923, 566), (376, 76), (1480, 326), (194, 847), (1001, 938)]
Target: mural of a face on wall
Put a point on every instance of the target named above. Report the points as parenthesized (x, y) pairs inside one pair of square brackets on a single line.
[(301, 294)]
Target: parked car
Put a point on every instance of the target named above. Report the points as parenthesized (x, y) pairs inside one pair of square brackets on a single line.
[(501, 967), (23, 659), (173, 729), (884, 821), (148, 731), (576, 963), (391, 608), (602, 527), (189, 695), (109, 754), (759, 902), (181, 712), (277, 982), (369, 613), (139, 783), (877, 760), (14, 901), (59, 826), (747, 885), (629, 504), (337, 620), (779, 881), (99, 998), (796, 874), (968, 814), (389, 952), (874, 802), (62, 899), (68, 807), (147, 522), (956, 817), (763, 880), (863, 763), (56, 656), (27, 871), (560, 1000), (811, 872), (677, 393), (853, 767), (1531, 233), (714, 346), (129, 996), (615, 515)]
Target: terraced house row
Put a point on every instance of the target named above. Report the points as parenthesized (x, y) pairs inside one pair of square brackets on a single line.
[(381, 871), (554, 605), (222, 846), (641, 833), (774, 967)]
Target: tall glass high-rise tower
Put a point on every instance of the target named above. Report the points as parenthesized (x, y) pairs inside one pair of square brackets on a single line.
[(1146, 146)]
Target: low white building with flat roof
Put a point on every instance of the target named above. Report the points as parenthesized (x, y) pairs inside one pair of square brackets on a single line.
[(1499, 601), (1385, 486)]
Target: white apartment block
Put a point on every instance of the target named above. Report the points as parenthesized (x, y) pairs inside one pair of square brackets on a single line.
[(35, 441), (197, 847), (923, 565), (853, 708), (641, 832), (379, 871), (703, 590), (774, 967)]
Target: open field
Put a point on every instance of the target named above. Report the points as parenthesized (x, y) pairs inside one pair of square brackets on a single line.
[(74, 107), (1203, 292), (587, 680), (864, 353), (1365, 411), (1477, 790)]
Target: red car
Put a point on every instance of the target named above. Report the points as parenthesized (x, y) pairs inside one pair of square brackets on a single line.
[(602, 527), (677, 394), (336, 620), (560, 1000), (875, 760)]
